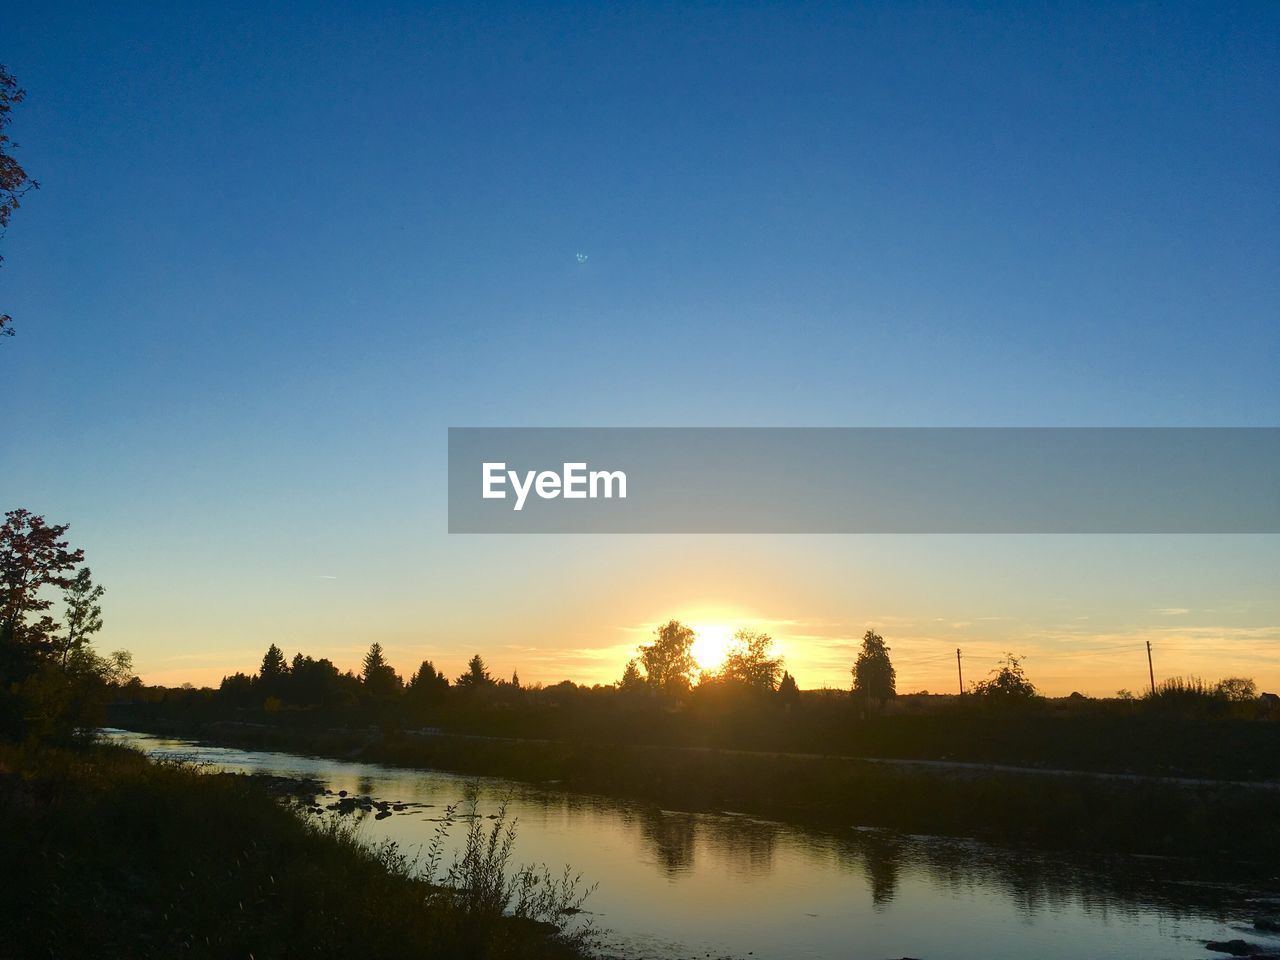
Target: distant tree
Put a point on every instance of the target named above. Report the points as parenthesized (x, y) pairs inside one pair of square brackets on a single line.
[(1007, 683), (314, 683), (380, 679), (33, 555), (788, 691), (14, 182), (237, 689), (428, 676), (631, 680), (873, 675), (273, 663), (374, 660), (117, 668), (477, 674), (273, 674), (750, 662), (1237, 689), (427, 685), (84, 614), (668, 661), (515, 679)]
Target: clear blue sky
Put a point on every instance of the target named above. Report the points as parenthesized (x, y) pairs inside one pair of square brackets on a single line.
[(278, 249)]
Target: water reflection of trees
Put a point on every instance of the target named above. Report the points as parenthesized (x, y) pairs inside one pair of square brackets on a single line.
[(882, 856), (748, 847), (1034, 881), (672, 838), (745, 845)]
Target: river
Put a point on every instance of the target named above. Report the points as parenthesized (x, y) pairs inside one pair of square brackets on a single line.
[(675, 885)]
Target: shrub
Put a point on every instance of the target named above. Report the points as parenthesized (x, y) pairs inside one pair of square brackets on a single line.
[(1008, 684)]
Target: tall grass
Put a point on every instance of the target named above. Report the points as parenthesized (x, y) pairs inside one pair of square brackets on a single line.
[(481, 882), (1192, 696), (108, 856)]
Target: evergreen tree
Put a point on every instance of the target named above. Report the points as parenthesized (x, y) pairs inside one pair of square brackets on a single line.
[(788, 692), (427, 685), (273, 664), (274, 673), (631, 680), (477, 674), (379, 677)]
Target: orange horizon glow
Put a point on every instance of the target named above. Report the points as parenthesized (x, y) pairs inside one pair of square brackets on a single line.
[(1097, 665)]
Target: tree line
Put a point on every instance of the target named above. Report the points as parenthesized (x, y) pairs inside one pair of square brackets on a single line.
[(663, 667), (53, 680)]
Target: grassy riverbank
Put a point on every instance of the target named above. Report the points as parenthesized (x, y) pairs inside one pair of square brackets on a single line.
[(110, 855), (1072, 812)]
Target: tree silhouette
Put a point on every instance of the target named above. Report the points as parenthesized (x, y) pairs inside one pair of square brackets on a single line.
[(51, 684), (380, 678), (427, 685), (631, 680), (668, 660), (477, 674), (788, 692), (33, 555), (1008, 683), (84, 614), (1237, 689), (873, 675), (319, 683), (273, 673), (14, 182), (749, 661)]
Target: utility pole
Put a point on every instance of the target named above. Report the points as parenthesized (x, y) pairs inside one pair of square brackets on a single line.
[(1151, 670), (960, 673)]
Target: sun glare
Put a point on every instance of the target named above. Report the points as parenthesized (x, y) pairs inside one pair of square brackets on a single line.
[(712, 644)]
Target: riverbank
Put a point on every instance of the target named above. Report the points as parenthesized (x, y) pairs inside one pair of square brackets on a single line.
[(110, 855), (1061, 811)]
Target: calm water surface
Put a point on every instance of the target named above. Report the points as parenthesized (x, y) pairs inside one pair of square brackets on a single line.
[(699, 885)]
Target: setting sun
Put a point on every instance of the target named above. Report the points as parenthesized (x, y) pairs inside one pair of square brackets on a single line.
[(712, 644)]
